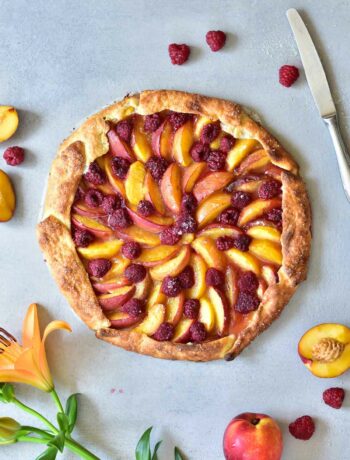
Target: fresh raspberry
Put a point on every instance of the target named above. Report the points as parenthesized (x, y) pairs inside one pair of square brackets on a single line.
[(334, 397), (164, 332), (248, 282), (82, 238), (178, 119), (242, 242), (178, 53), (131, 250), (216, 160), (185, 224), (191, 308), (214, 277), (229, 217), (120, 167), (134, 307), (209, 132), (119, 219), (288, 74), (198, 332), (124, 129), (157, 167), (152, 122), (275, 215), (145, 208), (111, 203), (247, 302), (171, 286), (226, 143), (93, 198), (199, 152), (95, 175), (302, 428), (189, 203), (14, 156), (169, 236), (269, 189), (216, 39), (186, 277), (240, 199), (99, 267), (223, 243), (135, 273)]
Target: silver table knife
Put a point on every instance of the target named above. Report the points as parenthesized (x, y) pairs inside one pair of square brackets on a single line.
[(321, 93)]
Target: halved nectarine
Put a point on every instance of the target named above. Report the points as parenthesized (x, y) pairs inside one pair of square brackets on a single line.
[(8, 122), (7, 198)]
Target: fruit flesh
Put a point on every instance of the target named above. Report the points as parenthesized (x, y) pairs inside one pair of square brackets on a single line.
[(8, 122), (7, 198)]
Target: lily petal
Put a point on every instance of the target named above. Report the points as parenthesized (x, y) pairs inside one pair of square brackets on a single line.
[(31, 329), (22, 376)]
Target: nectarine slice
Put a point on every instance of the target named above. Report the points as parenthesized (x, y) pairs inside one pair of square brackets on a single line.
[(134, 183), (183, 140), (206, 314), (170, 187), (116, 298), (263, 232), (267, 250), (116, 183), (206, 248), (156, 295), (120, 320), (162, 140), (173, 266), (209, 209), (154, 223), (139, 143), (103, 249), (231, 289), (118, 147), (92, 225), (211, 183), (254, 161), (217, 230), (143, 288), (155, 317), (244, 260), (8, 122), (139, 235), (257, 208), (7, 198), (174, 309), (158, 254), (200, 123), (191, 175), (182, 331), (219, 303), (239, 151), (199, 269), (153, 193), (112, 285)]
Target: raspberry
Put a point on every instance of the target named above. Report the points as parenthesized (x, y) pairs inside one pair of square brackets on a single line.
[(216, 39), (214, 277), (169, 236), (152, 122), (95, 175), (191, 308), (223, 243), (157, 167), (240, 199), (209, 132), (247, 302), (288, 74), (119, 219), (99, 267), (189, 203), (145, 208), (275, 215), (134, 307), (242, 242), (334, 397), (135, 273), (82, 238), (216, 160), (178, 119), (124, 129), (269, 189), (120, 167), (164, 332), (185, 224), (111, 203), (198, 332), (178, 53), (171, 286), (226, 143), (14, 156), (79, 194), (199, 152), (302, 428), (93, 198), (186, 277), (229, 217), (131, 250), (248, 282)]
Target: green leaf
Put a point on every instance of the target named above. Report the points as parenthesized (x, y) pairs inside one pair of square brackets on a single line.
[(143, 450), (72, 411), (63, 422), (49, 454), (156, 447), (58, 441), (7, 393), (178, 455)]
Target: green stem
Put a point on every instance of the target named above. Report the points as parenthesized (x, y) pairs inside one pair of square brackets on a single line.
[(57, 400), (31, 439), (35, 414), (78, 449), (33, 429)]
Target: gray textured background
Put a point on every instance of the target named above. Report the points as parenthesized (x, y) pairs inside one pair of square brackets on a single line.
[(61, 60)]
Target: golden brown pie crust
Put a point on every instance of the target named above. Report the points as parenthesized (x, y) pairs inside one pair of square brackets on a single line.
[(90, 142)]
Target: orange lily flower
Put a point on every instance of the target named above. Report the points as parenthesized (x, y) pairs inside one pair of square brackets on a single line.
[(27, 363)]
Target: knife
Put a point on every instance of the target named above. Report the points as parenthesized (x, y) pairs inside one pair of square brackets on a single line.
[(321, 93)]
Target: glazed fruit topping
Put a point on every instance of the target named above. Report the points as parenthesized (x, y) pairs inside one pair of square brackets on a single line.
[(169, 236), (248, 282), (242, 242), (131, 250), (178, 119), (198, 332), (209, 133), (275, 215), (189, 203), (186, 223), (186, 278), (164, 332), (135, 273), (191, 308), (216, 160), (199, 151), (14, 156), (95, 175), (93, 198), (226, 143), (178, 53), (240, 200), (124, 129), (111, 203), (269, 189), (120, 167), (157, 167), (82, 238), (119, 219), (99, 267), (247, 302), (145, 208), (216, 39), (334, 397), (229, 217), (302, 428), (152, 122), (134, 307), (214, 277), (223, 243), (171, 286)]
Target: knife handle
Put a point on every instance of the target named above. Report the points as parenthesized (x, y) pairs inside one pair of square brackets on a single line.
[(342, 152)]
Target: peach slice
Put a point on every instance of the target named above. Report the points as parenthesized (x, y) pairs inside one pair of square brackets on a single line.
[(191, 175), (162, 140), (187, 238), (108, 287), (217, 230), (239, 151), (118, 147), (134, 183), (254, 161), (116, 183), (119, 265), (325, 349), (269, 274), (206, 314), (104, 249), (267, 250), (155, 317), (211, 183), (85, 223), (182, 331), (250, 183), (170, 188), (81, 208), (159, 254), (209, 209), (215, 144), (231, 289), (173, 266), (7, 198), (139, 143), (263, 232), (220, 305), (244, 260), (143, 288), (257, 208), (156, 295), (116, 298), (200, 123), (206, 248), (139, 235), (154, 224), (8, 122), (199, 269), (175, 308), (153, 194), (120, 320), (183, 140)]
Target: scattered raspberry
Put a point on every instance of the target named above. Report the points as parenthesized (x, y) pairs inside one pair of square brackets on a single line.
[(152, 122), (145, 208), (226, 143), (191, 308), (247, 302), (223, 243), (95, 175), (186, 277), (302, 428), (157, 167), (99, 267), (135, 273), (185, 224), (288, 74), (216, 160), (198, 332), (171, 286), (14, 156), (111, 203), (209, 132), (131, 250), (124, 129), (178, 53), (214, 277), (240, 199), (93, 198), (134, 307), (334, 397), (242, 242), (178, 119), (275, 215), (199, 152), (120, 167), (229, 217), (248, 282), (269, 189), (164, 332), (169, 236), (189, 203), (216, 39), (82, 238), (119, 219)]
